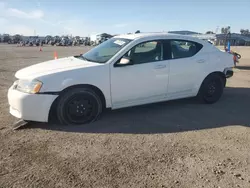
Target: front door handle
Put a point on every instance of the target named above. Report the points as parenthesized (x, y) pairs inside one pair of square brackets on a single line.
[(160, 66), (201, 61)]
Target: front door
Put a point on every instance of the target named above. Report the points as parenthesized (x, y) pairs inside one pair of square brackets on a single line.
[(144, 81)]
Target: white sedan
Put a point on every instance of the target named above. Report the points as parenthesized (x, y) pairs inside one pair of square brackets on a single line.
[(126, 70)]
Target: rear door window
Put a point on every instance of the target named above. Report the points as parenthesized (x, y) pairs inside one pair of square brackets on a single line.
[(184, 49)]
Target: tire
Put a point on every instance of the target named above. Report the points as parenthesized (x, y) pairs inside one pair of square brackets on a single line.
[(79, 106), (211, 89)]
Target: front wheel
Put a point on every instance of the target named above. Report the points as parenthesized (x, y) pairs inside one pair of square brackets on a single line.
[(211, 89), (79, 106)]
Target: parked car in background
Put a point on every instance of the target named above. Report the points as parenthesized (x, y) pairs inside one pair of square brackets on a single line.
[(126, 70)]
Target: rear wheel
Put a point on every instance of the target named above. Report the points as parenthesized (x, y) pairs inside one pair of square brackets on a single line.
[(211, 89), (79, 106)]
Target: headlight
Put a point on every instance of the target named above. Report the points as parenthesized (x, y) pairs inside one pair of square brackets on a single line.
[(28, 86)]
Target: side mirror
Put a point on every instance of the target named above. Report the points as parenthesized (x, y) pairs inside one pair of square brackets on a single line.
[(124, 62)]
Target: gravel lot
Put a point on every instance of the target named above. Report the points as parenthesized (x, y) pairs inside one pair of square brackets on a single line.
[(180, 143)]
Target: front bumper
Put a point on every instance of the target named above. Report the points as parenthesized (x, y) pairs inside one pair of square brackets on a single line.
[(32, 107)]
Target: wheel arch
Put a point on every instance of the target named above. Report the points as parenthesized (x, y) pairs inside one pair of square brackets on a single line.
[(219, 73), (92, 87)]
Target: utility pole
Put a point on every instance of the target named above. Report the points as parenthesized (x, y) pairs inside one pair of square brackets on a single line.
[(216, 30), (228, 38)]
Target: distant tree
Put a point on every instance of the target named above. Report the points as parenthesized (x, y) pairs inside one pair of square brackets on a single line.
[(48, 38), (210, 32), (57, 39), (138, 31), (6, 38), (244, 32), (222, 30), (225, 30), (17, 38)]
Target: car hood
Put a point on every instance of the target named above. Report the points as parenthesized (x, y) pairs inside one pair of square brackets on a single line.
[(53, 66)]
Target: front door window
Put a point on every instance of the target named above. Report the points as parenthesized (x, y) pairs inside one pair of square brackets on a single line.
[(146, 52)]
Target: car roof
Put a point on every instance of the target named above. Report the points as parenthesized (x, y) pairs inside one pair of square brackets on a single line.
[(140, 35), (159, 35)]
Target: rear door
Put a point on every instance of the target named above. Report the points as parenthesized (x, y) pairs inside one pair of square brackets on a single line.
[(186, 66)]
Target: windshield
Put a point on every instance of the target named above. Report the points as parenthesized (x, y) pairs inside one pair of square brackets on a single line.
[(106, 50)]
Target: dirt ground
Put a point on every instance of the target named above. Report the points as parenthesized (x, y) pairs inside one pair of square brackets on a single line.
[(178, 144)]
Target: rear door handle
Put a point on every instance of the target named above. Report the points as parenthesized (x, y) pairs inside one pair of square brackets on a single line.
[(160, 66), (201, 61)]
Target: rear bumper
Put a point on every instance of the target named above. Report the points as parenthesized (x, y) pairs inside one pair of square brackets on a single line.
[(229, 73)]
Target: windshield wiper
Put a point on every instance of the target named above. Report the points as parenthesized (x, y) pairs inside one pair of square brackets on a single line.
[(81, 57), (86, 59)]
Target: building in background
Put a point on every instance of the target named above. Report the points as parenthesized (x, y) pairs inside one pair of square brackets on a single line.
[(184, 32), (208, 37), (235, 40), (218, 39), (99, 38)]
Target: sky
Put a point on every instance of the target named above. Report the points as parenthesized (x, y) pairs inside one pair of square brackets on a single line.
[(86, 17)]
